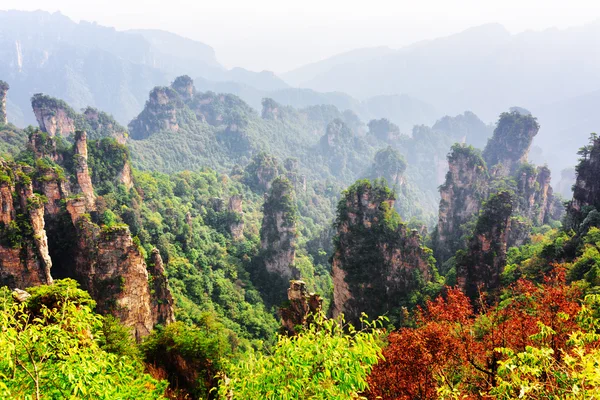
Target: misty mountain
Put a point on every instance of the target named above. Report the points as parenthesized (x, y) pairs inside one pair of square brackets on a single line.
[(299, 76), (484, 69), (566, 126), (91, 65), (403, 110)]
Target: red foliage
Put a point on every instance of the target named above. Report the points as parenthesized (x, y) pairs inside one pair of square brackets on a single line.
[(453, 344)]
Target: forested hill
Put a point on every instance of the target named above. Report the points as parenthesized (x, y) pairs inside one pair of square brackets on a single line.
[(211, 250)]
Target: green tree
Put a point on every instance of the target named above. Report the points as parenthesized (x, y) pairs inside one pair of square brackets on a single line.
[(329, 360), (51, 350)]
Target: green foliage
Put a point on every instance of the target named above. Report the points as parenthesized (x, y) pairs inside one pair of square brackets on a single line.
[(52, 350), (328, 360), (106, 160), (191, 355)]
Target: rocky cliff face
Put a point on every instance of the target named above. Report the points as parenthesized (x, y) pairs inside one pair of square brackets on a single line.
[(461, 195), (301, 306), (480, 266), (24, 257), (509, 145), (103, 259), (278, 230), (111, 268), (377, 262), (3, 92), (54, 116)]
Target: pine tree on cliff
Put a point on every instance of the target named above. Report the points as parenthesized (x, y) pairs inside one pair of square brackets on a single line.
[(378, 266)]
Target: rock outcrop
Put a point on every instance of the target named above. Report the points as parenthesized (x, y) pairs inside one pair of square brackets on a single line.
[(112, 269), (236, 226), (100, 124), (4, 87), (384, 130), (480, 266), (160, 113), (377, 261), (461, 195), (535, 194), (82, 173), (270, 109), (509, 145), (261, 171), (278, 230), (54, 116), (184, 85), (301, 306), (390, 165), (162, 300), (586, 191), (24, 257)]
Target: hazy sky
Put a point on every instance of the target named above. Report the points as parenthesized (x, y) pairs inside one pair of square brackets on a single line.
[(280, 35)]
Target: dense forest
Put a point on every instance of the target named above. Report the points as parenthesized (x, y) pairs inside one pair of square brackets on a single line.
[(209, 250)]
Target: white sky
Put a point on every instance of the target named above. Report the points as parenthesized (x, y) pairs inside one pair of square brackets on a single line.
[(280, 35)]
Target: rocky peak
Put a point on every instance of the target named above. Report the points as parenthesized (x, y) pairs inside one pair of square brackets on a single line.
[(461, 195), (236, 227), (376, 258), (24, 256), (479, 268), (301, 306), (261, 171), (184, 85), (390, 165), (278, 230), (82, 171), (510, 143), (103, 125), (4, 87), (338, 135), (54, 116), (270, 109), (160, 113), (43, 145), (535, 195), (384, 130), (162, 300)]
